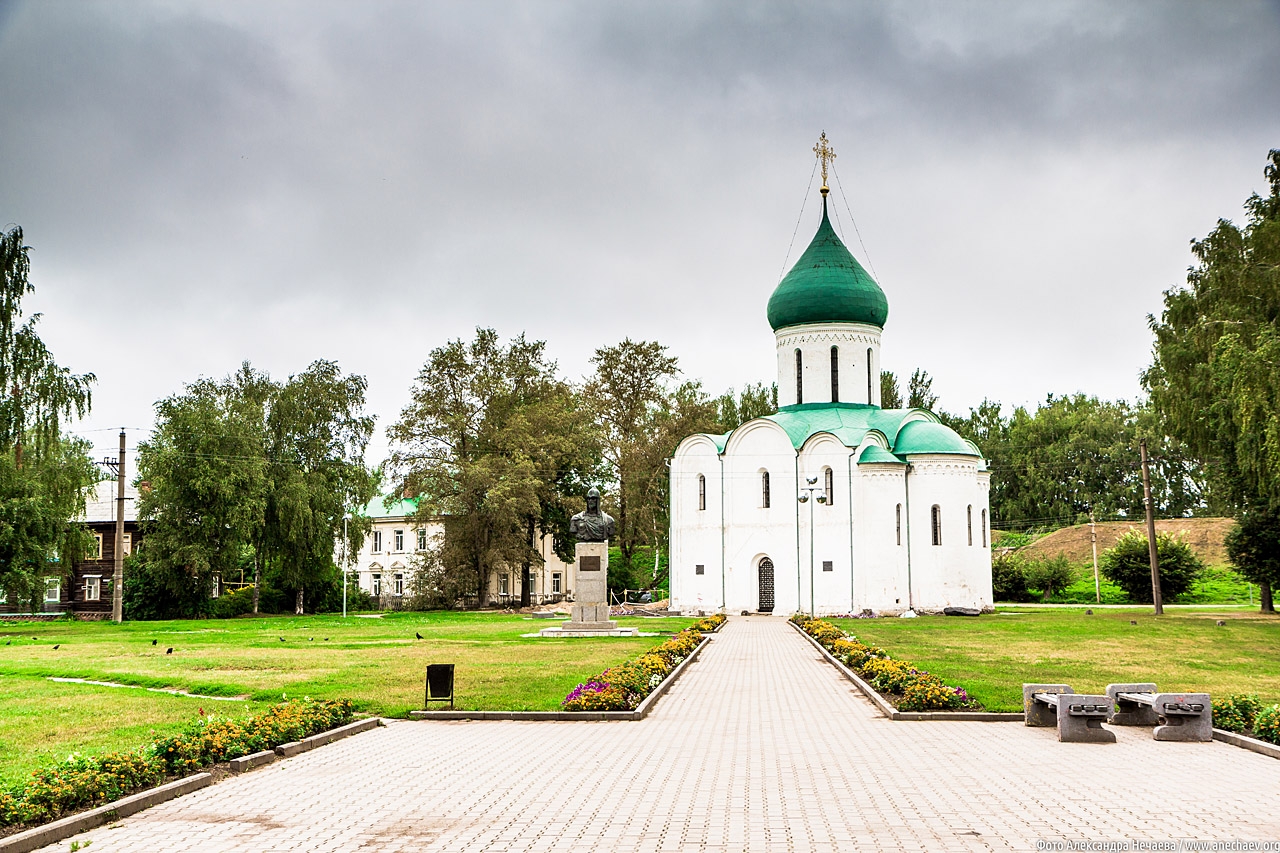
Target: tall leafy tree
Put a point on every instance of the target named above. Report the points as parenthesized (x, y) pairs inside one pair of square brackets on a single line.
[(495, 445), (45, 475), (733, 409), (890, 393), (1215, 376), (920, 391)]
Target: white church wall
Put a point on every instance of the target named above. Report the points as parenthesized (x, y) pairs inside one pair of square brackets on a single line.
[(695, 523), (754, 531), (815, 341), (832, 590), (954, 573), (881, 553)]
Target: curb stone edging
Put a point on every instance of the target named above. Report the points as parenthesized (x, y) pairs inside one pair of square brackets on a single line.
[(883, 706), (1244, 742), (58, 830), (64, 828), (564, 716)]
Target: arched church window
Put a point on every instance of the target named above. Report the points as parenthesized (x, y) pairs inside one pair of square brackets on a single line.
[(969, 522), (799, 377), (936, 516), (869, 397), (828, 483), (898, 521), (835, 374), (702, 492), (764, 489), (984, 528)]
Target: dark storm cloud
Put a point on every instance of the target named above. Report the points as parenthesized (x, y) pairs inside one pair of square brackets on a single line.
[(361, 181)]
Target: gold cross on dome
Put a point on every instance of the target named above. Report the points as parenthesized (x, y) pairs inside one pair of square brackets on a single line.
[(825, 154)]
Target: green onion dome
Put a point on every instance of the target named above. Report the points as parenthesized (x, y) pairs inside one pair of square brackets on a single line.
[(827, 285)]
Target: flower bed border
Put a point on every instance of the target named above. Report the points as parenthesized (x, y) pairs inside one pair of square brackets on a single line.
[(883, 706), (1252, 744), (74, 824), (564, 716)]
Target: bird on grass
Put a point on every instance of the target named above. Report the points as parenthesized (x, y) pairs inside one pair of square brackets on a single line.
[(282, 639), (153, 642), (55, 648), (33, 638), (326, 639), (169, 650), (8, 642), (311, 639), (416, 634)]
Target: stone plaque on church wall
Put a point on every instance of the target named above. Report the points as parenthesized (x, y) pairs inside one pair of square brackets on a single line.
[(588, 563)]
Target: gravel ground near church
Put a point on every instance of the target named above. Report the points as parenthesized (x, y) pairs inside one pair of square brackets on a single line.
[(761, 746)]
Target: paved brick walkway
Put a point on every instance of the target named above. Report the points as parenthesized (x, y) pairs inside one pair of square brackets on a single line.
[(761, 746)]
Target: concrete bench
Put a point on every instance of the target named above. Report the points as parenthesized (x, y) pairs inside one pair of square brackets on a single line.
[(1176, 716), (1078, 716)]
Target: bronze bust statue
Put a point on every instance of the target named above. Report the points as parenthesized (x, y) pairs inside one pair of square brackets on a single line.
[(592, 525)]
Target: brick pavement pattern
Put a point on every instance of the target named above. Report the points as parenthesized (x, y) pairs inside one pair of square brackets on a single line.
[(761, 746)]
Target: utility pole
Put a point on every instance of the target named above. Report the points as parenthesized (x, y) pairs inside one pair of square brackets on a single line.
[(1151, 532), (117, 584), (1093, 537)]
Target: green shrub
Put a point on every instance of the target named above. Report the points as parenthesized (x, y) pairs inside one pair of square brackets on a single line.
[(1128, 565), (1236, 713), (235, 603), (1266, 726), (1049, 575), (1008, 578)]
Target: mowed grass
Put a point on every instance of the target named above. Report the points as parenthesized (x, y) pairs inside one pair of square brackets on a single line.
[(993, 655), (376, 662)]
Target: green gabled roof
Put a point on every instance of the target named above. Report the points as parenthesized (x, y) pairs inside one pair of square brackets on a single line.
[(874, 453), (827, 285), (378, 508)]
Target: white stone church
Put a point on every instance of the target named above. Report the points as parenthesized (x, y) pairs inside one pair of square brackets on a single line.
[(898, 515)]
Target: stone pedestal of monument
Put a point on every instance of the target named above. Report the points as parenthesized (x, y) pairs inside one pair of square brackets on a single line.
[(589, 616)]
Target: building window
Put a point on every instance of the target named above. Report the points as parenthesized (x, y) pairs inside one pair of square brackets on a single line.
[(827, 566), (52, 590), (377, 586), (95, 550), (377, 541), (984, 528), (764, 489), (422, 539), (398, 538), (702, 492), (93, 588), (398, 584), (799, 378), (504, 584), (699, 569), (935, 515), (835, 374), (969, 522), (869, 375), (898, 521), (829, 484), (128, 544), (555, 582)]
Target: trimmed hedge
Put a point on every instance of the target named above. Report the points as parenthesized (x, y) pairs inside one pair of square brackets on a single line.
[(84, 781), (911, 689), (1246, 715), (623, 687)]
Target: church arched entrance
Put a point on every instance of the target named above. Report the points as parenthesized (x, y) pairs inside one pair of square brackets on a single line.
[(766, 585)]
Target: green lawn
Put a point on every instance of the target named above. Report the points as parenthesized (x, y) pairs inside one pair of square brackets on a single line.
[(993, 655), (376, 662)]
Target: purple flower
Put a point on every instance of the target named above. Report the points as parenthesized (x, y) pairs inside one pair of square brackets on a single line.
[(589, 687)]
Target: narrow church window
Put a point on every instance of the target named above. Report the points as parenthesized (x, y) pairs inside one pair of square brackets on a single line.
[(828, 566), (969, 521), (984, 528), (835, 374), (936, 514), (699, 569), (829, 485), (799, 377), (869, 397), (898, 520), (764, 489), (702, 492)]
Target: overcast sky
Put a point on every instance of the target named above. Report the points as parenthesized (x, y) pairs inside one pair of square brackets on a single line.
[(207, 183)]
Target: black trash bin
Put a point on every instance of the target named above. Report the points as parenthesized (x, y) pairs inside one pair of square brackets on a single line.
[(439, 684)]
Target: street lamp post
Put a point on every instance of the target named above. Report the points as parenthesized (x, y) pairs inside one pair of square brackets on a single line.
[(806, 492), (346, 564)]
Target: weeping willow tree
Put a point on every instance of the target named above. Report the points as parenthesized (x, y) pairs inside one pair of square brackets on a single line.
[(45, 475)]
